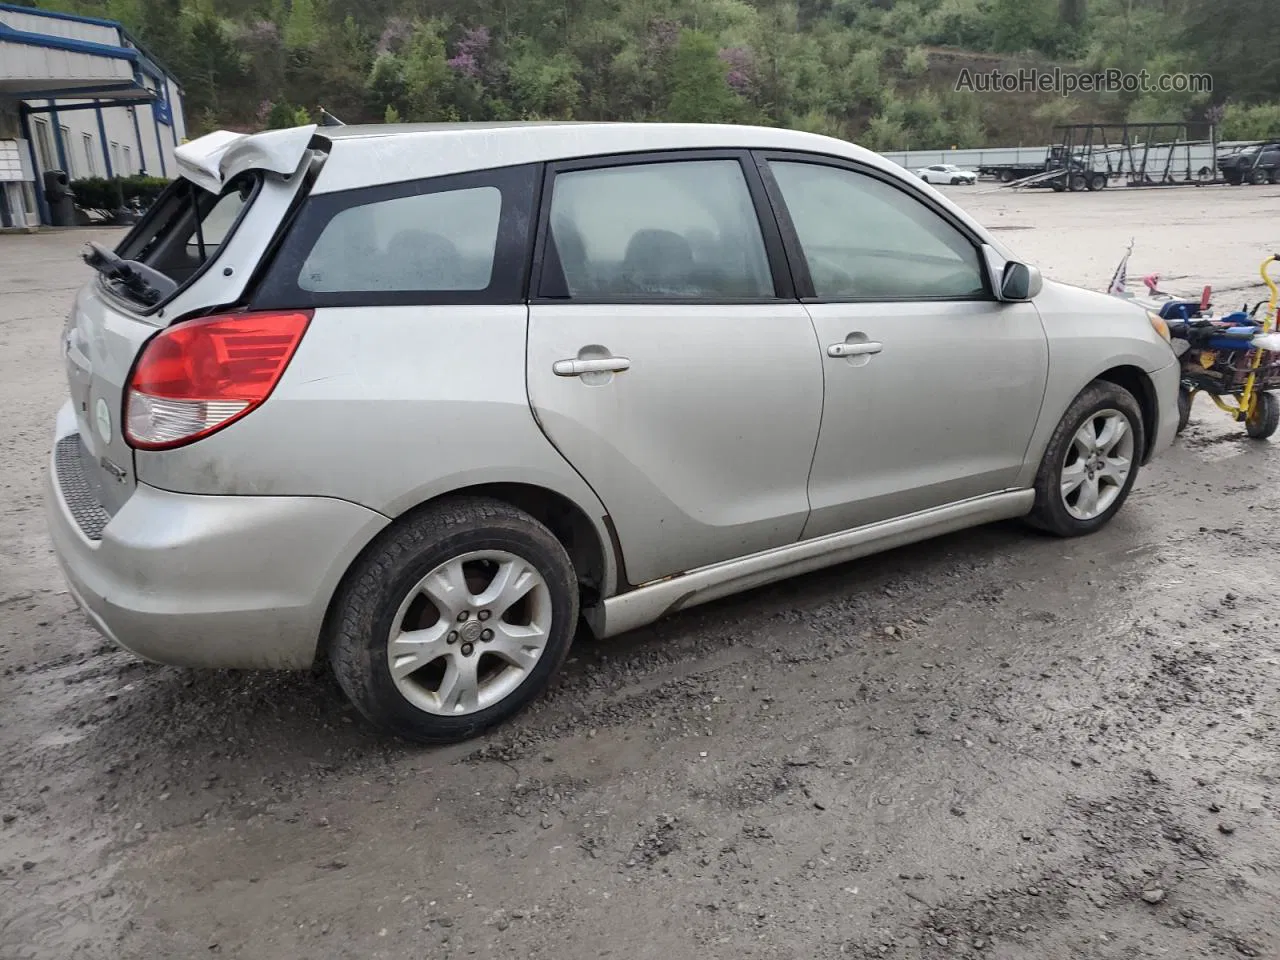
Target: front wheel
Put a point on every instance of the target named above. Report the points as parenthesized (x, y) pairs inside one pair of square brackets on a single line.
[(1263, 417), (1091, 462), (456, 619)]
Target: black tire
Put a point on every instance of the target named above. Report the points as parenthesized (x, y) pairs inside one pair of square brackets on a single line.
[(1050, 513), (1077, 183), (1098, 181), (954, 181), (371, 596), (1184, 408), (1058, 186), (1266, 417), (1257, 177), (1006, 176)]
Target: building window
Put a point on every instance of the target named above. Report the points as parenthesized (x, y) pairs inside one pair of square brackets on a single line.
[(72, 166), (44, 144), (90, 156)]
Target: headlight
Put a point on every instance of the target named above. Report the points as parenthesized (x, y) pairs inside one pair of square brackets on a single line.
[(1159, 325)]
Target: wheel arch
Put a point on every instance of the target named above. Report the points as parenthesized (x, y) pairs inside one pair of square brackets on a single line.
[(1137, 382), (592, 545)]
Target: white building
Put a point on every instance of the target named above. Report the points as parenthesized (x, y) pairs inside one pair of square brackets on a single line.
[(78, 94)]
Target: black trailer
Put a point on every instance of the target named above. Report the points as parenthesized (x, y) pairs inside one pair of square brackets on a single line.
[(1092, 156)]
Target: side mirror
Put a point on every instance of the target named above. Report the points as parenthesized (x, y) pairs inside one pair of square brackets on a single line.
[(1018, 281)]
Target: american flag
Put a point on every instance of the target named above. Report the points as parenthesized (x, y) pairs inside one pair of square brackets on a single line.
[(1120, 279)]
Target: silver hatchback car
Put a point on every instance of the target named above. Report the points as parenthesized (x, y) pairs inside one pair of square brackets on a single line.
[(416, 399)]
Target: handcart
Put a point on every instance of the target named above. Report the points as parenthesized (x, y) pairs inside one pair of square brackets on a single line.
[(1234, 360)]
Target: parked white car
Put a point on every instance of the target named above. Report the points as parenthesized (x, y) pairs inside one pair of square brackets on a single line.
[(947, 173)]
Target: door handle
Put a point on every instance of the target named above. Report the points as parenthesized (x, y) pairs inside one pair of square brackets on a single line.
[(576, 368), (858, 349)]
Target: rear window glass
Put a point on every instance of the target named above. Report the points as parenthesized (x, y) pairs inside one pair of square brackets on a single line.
[(445, 241)]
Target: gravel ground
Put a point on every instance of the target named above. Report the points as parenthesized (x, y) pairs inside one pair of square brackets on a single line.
[(990, 745)]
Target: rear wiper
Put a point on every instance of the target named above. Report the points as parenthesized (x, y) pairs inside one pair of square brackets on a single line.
[(144, 284)]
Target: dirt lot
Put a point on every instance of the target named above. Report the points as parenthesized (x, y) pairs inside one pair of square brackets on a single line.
[(992, 745)]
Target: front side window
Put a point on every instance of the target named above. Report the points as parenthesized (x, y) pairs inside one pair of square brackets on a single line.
[(865, 239), (656, 231), (430, 242)]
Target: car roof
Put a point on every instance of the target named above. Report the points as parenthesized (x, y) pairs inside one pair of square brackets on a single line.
[(364, 155)]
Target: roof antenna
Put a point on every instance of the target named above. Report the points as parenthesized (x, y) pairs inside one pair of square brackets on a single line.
[(327, 119)]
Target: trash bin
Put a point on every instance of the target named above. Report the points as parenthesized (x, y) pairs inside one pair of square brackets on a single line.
[(62, 202)]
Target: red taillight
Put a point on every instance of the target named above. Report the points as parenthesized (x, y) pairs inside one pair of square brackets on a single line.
[(197, 377)]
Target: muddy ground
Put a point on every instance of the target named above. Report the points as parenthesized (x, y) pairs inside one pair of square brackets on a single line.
[(991, 745)]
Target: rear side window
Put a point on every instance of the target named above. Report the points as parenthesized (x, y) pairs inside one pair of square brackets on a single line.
[(457, 239), (431, 242)]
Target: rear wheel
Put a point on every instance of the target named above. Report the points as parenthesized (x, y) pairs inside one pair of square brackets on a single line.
[(1078, 182), (1098, 181), (1006, 176), (1091, 462), (455, 621), (1263, 417), (1257, 177)]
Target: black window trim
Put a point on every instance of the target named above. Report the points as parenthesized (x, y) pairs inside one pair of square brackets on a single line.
[(519, 187), (546, 264), (153, 213), (799, 265)]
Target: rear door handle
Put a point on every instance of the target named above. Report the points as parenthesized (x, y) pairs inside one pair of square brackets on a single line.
[(859, 349), (576, 368)]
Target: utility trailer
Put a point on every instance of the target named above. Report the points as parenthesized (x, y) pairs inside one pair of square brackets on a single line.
[(1132, 154)]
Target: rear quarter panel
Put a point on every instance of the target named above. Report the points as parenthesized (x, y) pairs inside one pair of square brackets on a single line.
[(1090, 333), (387, 407)]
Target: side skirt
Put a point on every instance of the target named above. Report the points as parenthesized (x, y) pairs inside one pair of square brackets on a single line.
[(659, 598)]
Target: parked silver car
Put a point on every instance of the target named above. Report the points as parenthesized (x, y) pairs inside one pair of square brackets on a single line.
[(413, 399)]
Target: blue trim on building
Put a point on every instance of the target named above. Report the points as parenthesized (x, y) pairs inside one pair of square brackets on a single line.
[(78, 93), (55, 15), (102, 132), (10, 35), (42, 205), (68, 107)]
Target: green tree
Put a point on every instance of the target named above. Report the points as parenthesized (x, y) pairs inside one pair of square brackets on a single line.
[(302, 26), (699, 88), (1258, 122)]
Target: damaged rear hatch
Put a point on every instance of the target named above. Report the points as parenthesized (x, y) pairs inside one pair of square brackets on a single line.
[(193, 252)]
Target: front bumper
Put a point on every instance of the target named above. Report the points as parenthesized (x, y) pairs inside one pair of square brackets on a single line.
[(204, 581), (1166, 382)]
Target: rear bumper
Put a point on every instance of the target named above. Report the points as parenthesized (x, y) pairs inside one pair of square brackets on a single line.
[(207, 581)]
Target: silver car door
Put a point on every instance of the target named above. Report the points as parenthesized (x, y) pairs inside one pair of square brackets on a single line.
[(667, 363), (933, 387)]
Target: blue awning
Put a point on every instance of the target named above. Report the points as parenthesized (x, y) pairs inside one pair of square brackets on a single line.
[(48, 66)]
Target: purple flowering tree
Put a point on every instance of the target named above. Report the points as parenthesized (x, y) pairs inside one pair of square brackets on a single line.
[(741, 75), (471, 53)]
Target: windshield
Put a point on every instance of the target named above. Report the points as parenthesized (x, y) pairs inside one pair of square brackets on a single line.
[(181, 233)]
